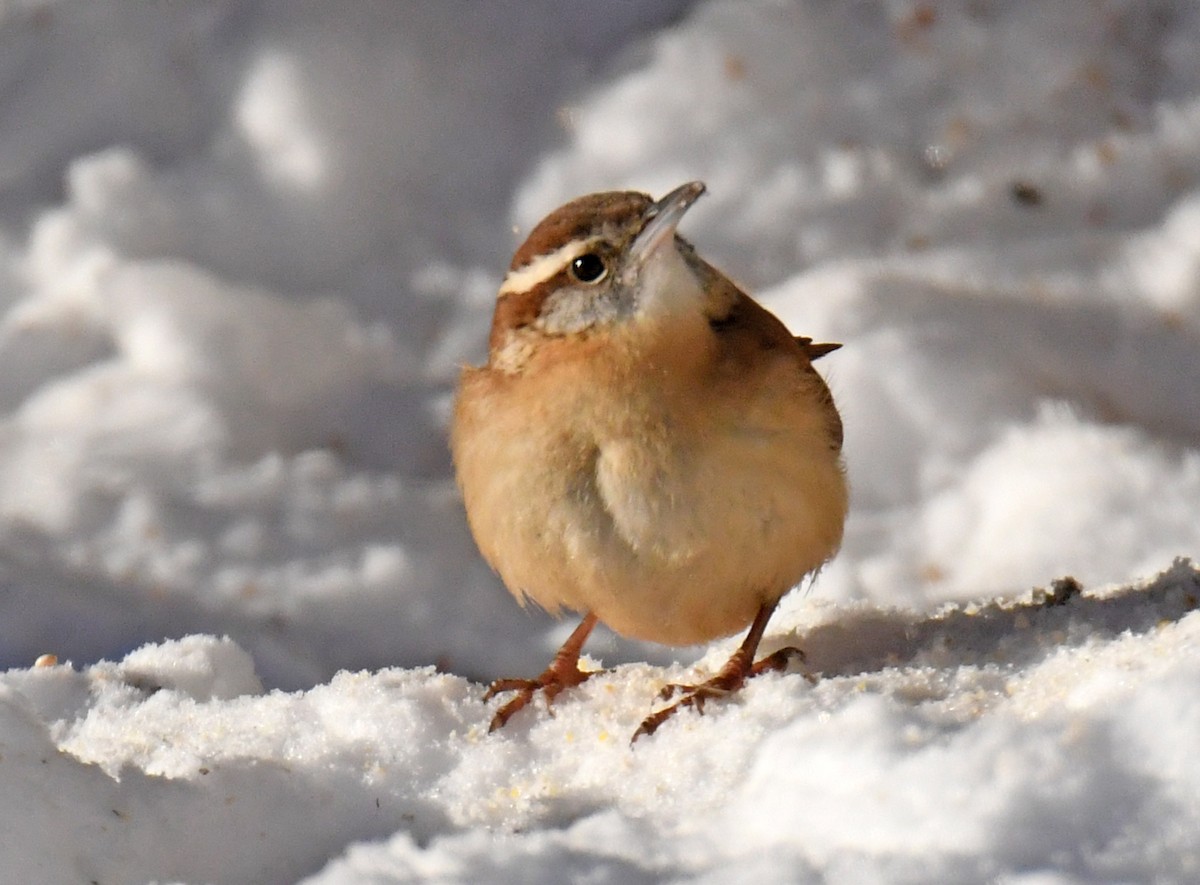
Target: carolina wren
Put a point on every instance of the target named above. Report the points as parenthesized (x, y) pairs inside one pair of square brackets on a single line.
[(647, 445)]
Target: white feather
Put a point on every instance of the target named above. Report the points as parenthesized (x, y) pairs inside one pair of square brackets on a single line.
[(542, 268)]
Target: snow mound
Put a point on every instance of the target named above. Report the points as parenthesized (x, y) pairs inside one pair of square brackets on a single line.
[(244, 247), (1052, 731)]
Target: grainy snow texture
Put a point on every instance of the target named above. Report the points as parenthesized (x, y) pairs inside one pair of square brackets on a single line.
[(244, 247)]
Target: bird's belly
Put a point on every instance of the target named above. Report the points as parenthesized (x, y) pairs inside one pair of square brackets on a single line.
[(736, 525), (664, 541)]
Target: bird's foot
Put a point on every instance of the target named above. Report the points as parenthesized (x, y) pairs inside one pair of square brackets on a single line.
[(556, 678), (731, 677), (563, 672)]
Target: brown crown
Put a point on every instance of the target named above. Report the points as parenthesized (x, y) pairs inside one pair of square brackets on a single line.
[(579, 218)]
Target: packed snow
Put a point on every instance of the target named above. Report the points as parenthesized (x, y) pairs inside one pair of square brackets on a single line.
[(244, 247)]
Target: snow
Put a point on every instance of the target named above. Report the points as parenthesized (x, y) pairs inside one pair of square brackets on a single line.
[(244, 247)]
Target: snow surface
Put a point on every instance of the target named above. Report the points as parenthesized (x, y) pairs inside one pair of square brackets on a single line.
[(244, 247)]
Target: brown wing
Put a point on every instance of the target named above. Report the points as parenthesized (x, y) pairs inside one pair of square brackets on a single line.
[(746, 324)]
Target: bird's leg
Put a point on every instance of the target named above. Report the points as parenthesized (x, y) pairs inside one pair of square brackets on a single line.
[(563, 672), (730, 678)]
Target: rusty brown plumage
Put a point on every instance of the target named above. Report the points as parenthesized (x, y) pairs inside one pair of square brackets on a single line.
[(646, 445)]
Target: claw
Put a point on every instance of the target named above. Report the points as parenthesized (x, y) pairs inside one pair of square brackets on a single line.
[(500, 685), (549, 684), (668, 691), (780, 661), (562, 673), (732, 677), (729, 679)]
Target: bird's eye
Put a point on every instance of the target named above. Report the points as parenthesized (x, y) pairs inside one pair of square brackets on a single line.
[(589, 268)]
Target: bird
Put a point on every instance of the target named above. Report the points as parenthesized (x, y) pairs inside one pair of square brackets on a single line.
[(646, 445)]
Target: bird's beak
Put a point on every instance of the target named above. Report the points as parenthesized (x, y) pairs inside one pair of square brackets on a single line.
[(661, 220)]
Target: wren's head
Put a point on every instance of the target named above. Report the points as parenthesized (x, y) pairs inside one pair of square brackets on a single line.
[(598, 262)]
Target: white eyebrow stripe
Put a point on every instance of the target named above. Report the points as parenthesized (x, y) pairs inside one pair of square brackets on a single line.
[(543, 267)]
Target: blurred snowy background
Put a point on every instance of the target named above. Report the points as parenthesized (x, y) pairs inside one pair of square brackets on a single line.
[(244, 247)]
